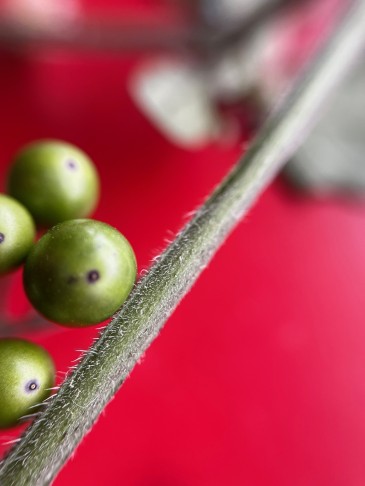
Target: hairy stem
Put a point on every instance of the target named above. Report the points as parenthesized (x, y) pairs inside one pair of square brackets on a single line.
[(53, 437)]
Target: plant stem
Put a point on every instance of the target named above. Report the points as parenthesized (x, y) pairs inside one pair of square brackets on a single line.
[(53, 437)]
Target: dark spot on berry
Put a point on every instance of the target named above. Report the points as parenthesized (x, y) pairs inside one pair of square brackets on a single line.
[(2, 237), (31, 386), (93, 276), (72, 279), (71, 164)]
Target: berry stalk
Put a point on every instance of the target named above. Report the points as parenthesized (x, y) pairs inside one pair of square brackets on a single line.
[(52, 438)]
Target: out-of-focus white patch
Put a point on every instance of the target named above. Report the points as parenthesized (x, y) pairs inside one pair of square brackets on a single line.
[(273, 79), (42, 14), (175, 96), (239, 70), (332, 159), (283, 56)]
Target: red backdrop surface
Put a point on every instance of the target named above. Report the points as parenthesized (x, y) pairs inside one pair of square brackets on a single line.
[(258, 377)]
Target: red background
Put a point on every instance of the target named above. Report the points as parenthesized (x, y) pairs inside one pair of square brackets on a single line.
[(258, 378)]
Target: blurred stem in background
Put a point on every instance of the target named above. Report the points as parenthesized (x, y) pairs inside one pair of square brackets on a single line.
[(52, 438), (203, 34), (11, 325)]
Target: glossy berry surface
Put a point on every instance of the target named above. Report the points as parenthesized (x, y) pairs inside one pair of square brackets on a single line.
[(55, 181), (80, 272), (17, 233), (26, 375)]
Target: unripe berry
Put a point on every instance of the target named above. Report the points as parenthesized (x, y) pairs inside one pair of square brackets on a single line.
[(80, 272), (55, 181), (17, 233), (26, 376)]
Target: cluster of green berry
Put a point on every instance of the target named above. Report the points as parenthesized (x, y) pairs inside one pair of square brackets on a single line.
[(78, 273)]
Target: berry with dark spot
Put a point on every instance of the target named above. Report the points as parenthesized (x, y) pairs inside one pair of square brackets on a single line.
[(80, 272), (17, 233), (26, 376), (93, 276), (31, 386), (71, 165), (55, 180)]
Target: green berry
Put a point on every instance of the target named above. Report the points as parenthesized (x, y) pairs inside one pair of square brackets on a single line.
[(26, 375), (80, 272), (55, 181), (17, 233)]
